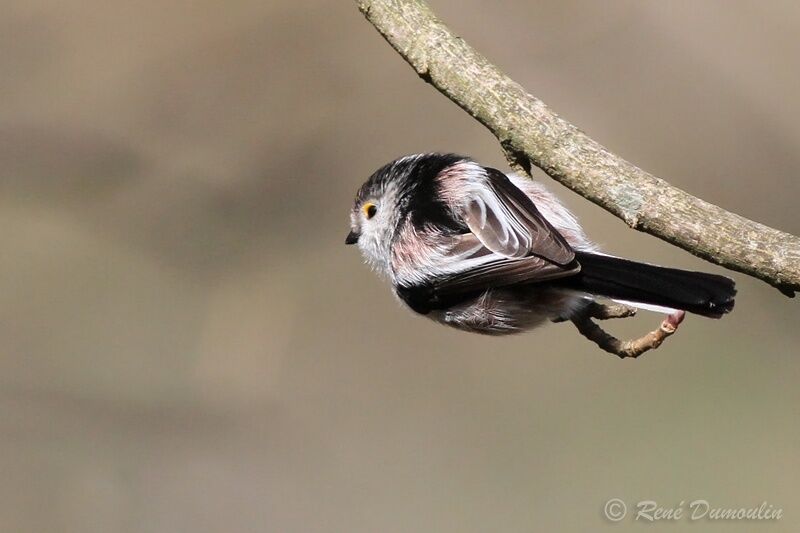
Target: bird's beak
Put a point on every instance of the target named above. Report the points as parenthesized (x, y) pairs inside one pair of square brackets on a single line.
[(352, 237)]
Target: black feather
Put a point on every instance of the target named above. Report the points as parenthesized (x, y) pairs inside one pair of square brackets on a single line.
[(704, 294)]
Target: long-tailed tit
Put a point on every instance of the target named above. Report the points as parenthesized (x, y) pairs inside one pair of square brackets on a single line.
[(473, 248)]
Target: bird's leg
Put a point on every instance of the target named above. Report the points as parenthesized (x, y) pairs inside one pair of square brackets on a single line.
[(630, 348)]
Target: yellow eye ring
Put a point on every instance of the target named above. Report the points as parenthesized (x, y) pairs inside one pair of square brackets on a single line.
[(369, 209)]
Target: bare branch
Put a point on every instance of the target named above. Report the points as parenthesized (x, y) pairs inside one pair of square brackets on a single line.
[(623, 349), (608, 311), (531, 134)]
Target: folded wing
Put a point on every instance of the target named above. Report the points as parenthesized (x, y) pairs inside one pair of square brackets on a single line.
[(510, 243), (508, 223)]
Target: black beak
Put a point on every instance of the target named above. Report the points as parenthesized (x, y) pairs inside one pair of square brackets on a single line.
[(352, 237)]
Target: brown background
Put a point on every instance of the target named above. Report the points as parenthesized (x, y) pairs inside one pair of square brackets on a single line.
[(187, 345)]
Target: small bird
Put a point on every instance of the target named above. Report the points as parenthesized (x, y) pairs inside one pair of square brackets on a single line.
[(485, 252)]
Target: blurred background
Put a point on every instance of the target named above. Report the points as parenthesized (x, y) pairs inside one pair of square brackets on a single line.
[(187, 344)]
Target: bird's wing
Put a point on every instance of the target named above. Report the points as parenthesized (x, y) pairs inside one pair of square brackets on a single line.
[(473, 269), (471, 265), (508, 223), (467, 269), (509, 243)]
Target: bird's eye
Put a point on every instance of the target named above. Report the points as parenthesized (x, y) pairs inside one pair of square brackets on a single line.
[(369, 210)]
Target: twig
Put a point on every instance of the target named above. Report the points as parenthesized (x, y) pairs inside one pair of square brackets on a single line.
[(630, 348), (605, 311), (531, 134)]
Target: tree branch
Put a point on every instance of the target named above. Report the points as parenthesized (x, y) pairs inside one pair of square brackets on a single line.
[(531, 134), (623, 349)]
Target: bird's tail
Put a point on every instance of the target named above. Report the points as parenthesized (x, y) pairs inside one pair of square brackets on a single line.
[(704, 294)]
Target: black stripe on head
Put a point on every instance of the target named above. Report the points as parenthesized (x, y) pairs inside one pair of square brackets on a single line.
[(414, 178)]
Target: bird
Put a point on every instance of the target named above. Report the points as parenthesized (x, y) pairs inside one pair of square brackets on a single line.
[(474, 248)]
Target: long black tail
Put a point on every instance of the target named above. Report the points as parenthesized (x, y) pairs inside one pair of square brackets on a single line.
[(696, 292)]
